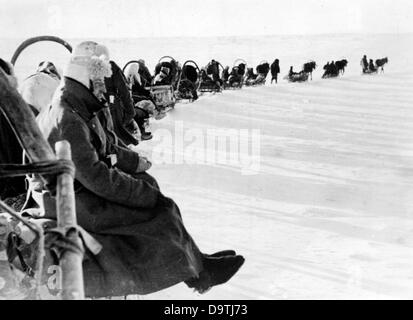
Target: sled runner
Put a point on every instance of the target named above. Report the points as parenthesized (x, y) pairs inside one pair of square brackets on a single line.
[(369, 71), (297, 77)]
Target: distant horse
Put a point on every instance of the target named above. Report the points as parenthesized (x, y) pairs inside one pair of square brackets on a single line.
[(381, 62), (341, 65), (309, 68), (263, 68)]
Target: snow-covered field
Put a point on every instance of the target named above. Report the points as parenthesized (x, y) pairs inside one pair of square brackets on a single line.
[(329, 214)]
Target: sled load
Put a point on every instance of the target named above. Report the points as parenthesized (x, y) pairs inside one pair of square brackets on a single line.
[(252, 79), (189, 81), (165, 81), (236, 76), (210, 77)]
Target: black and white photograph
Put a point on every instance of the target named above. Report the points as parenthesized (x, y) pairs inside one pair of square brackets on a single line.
[(206, 150)]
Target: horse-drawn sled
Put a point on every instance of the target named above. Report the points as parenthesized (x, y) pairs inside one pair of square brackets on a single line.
[(302, 76), (373, 67)]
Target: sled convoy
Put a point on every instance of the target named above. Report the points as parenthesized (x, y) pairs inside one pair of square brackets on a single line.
[(23, 242), (173, 82)]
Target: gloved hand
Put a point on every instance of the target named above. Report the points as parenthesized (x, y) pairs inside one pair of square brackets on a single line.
[(143, 165)]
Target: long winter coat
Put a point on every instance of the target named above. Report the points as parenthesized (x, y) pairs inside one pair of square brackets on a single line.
[(275, 68), (10, 152), (145, 245)]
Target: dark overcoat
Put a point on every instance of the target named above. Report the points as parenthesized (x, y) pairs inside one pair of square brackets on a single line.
[(121, 104), (275, 68), (10, 153), (146, 247)]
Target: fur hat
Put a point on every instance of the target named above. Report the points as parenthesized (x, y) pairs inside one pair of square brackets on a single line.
[(89, 62)]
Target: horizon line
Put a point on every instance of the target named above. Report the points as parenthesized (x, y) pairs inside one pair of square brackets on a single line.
[(221, 36)]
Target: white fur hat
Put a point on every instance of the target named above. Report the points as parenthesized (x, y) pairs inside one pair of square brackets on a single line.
[(89, 61)]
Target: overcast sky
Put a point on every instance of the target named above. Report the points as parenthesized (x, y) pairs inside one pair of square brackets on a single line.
[(148, 18)]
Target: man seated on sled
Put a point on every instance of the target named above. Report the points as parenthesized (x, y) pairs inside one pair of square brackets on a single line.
[(235, 76), (145, 74), (121, 105), (146, 247), (327, 70), (11, 189), (144, 103), (333, 68), (250, 76), (207, 81), (372, 67), (225, 74), (162, 77), (213, 70), (291, 73)]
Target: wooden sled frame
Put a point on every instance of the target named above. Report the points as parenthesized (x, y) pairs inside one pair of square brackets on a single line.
[(37, 149)]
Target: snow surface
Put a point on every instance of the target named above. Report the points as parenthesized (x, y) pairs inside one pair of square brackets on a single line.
[(330, 212), (329, 215)]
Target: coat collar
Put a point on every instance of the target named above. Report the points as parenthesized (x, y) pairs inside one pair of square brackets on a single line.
[(89, 105)]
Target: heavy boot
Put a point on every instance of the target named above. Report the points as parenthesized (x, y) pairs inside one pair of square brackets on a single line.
[(216, 271)]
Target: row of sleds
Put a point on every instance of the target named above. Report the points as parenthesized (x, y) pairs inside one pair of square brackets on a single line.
[(172, 82)]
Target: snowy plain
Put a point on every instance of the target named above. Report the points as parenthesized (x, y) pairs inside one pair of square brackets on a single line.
[(329, 214)]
